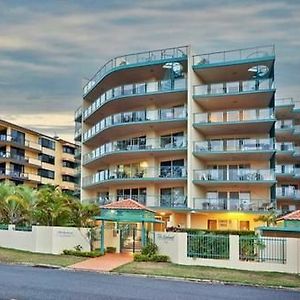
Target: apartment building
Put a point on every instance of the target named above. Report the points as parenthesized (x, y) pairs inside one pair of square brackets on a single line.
[(29, 157), (195, 137)]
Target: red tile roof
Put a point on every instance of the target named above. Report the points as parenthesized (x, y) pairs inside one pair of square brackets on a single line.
[(295, 215), (126, 204)]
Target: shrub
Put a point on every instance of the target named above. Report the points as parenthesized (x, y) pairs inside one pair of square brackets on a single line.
[(141, 257), (111, 249), (159, 258), (94, 253), (150, 249)]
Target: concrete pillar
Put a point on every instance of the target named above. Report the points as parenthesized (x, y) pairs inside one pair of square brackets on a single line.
[(188, 220), (234, 249)]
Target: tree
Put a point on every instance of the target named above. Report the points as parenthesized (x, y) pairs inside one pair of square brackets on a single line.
[(269, 219)]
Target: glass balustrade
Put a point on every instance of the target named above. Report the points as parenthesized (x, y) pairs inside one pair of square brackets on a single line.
[(285, 146), (234, 87), (284, 102), (176, 113), (132, 59), (135, 89), (284, 124), (234, 145), (234, 175), (22, 142), (234, 55), (231, 204), (137, 144), (287, 192), (234, 116), (137, 173)]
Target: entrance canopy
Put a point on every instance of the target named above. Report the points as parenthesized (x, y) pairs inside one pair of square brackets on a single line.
[(127, 211)]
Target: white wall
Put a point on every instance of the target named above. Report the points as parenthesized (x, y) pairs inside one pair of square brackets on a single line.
[(44, 239), (175, 246)]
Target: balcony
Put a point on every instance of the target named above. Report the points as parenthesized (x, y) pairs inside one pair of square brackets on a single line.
[(7, 139), (245, 205), (241, 64), (128, 96), (287, 172), (78, 114), (234, 176), (154, 201), (135, 176), (240, 149), (287, 108), (20, 159), (136, 148), (232, 95), (135, 122), (286, 151), (17, 175), (236, 121), (78, 134), (287, 193), (146, 58)]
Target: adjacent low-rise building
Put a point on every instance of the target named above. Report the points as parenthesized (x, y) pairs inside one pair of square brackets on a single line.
[(35, 159)]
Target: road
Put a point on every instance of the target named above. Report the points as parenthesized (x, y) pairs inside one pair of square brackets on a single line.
[(22, 282)]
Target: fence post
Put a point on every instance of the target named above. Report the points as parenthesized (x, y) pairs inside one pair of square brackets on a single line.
[(234, 249)]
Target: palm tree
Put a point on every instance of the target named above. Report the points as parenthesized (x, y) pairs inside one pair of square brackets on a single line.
[(269, 219)]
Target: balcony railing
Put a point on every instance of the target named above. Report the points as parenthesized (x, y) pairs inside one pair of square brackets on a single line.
[(137, 144), (234, 116), (145, 57), (20, 158), (285, 146), (176, 172), (284, 124), (133, 90), (237, 87), (284, 102), (234, 175), (22, 142), (168, 114), (13, 174), (231, 204), (148, 200), (240, 145), (287, 170), (234, 55), (78, 113), (287, 192)]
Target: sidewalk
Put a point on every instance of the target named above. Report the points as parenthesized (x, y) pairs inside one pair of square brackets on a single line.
[(105, 263)]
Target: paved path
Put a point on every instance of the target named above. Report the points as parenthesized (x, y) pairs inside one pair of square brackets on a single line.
[(22, 283), (105, 263)]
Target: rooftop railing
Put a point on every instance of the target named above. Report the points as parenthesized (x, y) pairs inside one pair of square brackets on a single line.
[(137, 144), (134, 90), (238, 145), (231, 204), (175, 172), (145, 57), (234, 55), (234, 116), (234, 175), (237, 87), (167, 114)]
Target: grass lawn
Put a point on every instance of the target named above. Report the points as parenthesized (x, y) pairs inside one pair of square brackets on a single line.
[(199, 272), (17, 256)]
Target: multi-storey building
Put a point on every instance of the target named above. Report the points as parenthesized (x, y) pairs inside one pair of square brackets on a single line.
[(29, 157), (194, 137)]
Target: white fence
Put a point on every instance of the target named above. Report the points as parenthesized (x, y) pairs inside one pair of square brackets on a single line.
[(44, 239), (175, 245)]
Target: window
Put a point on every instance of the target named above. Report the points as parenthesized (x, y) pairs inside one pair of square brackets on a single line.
[(47, 143), (46, 173), (68, 149), (172, 197), (69, 164), (172, 140), (17, 153), (172, 168), (68, 178), (18, 137), (137, 194), (49, 159)]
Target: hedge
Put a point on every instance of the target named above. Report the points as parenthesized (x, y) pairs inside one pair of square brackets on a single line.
[(94, 253)]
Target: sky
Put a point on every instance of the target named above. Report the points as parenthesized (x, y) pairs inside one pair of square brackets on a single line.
[(48, 49)]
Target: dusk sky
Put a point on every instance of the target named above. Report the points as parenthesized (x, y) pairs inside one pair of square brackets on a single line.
[(47, 48)]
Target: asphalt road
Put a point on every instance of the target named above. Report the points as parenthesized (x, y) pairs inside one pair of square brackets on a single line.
[(21, 282)]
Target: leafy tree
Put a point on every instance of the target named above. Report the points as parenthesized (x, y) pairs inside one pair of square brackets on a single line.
[(269, 219)]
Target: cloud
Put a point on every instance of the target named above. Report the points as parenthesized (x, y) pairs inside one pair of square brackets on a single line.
[(46, 48)]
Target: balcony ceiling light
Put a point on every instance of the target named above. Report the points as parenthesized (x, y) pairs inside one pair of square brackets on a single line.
[(260, 71)]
